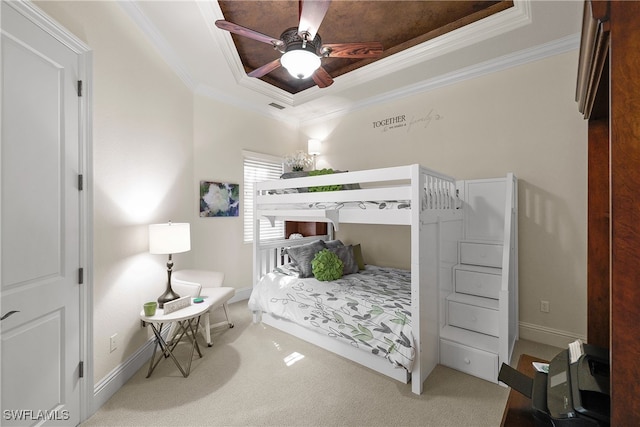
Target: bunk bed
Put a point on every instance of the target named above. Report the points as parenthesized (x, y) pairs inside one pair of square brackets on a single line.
[(413, 196)]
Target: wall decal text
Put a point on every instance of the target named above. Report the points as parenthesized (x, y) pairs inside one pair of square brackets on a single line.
[(408, 124)]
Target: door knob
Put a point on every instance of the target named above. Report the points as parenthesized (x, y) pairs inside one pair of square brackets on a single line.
[(12, 312)]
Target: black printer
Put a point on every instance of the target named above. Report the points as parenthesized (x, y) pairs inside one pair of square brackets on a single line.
[(574, 392)]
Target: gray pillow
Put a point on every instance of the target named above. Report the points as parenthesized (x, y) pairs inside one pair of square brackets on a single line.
[(330, 244), (349, 263), (303, 255)]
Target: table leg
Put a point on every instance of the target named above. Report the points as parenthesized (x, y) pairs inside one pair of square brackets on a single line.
[(192, 325), (167, 350)]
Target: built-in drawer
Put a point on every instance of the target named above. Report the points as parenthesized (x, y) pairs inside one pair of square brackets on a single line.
[(481, 281), (475, 362), (472, 317), (486, 254)]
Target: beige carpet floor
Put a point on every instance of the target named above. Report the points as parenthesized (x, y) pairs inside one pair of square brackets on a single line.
[(244, 380)]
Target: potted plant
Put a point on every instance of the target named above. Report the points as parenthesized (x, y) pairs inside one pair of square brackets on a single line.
[(298, 160)]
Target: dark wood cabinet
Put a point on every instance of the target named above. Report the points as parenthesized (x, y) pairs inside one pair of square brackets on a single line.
[(305, 228), (609, 96)]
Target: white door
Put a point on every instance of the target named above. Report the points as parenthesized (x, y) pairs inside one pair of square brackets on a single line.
[(40, 226)]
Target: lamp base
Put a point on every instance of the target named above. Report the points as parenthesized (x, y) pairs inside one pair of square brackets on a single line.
[(168, 294)]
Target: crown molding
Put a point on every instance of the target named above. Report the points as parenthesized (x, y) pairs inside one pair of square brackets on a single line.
[(134, 12), (556, 47), (492, 26)]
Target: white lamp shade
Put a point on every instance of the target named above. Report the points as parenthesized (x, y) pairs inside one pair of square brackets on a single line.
[(300, 63), (170, 238), (313, 147)]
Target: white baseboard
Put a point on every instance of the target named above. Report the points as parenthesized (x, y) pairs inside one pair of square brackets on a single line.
[(549, 336), (241, 294), (111, 383)]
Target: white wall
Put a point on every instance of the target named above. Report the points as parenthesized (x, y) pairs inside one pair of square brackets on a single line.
[(221, 132), (522, 120)]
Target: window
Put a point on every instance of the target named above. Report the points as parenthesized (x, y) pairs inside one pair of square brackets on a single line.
[(257, 168)]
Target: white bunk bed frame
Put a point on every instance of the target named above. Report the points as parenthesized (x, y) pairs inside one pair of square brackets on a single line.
[(436, 224)]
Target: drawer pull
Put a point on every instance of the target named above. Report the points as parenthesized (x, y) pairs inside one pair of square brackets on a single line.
[(467, 361)]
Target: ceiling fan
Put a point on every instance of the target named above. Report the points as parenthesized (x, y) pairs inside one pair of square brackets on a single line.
[(302, 48)]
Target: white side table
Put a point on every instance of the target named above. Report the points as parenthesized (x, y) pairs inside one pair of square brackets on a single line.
[(187, 319)]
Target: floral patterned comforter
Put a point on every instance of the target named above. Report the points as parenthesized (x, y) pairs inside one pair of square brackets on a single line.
[(370, 310)]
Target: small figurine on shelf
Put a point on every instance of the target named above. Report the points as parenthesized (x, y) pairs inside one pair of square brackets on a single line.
[(298, 160)]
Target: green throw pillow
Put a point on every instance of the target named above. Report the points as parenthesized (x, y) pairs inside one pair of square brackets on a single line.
[(326, 266), (336, 187)]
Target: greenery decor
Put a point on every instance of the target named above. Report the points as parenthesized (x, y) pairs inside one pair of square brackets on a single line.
[(326, 266), (336, 187)]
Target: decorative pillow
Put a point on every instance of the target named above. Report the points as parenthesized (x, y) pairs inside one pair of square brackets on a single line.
[(345, 253), (357, 254), (294, 174), (326, 266), (331, 244), (303, 255)]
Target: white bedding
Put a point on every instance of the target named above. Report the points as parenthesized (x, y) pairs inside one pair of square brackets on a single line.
[(370, 310)]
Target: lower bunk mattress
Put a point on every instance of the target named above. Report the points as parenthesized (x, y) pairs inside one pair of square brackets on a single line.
[(370, 310)]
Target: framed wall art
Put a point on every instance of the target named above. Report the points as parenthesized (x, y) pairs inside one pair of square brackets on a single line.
[(219, 199)]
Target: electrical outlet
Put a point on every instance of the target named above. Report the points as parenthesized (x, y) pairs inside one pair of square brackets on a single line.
[(113, 343), (544, 306)]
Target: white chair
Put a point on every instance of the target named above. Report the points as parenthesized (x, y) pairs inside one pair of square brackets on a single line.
[(211, 287)]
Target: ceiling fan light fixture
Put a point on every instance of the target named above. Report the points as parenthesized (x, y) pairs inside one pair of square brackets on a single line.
[(300, 63)]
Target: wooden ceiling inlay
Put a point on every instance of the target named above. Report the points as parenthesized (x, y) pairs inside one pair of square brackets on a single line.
[(398, 25)]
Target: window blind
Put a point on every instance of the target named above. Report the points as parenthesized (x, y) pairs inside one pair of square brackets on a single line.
[(257, 168)]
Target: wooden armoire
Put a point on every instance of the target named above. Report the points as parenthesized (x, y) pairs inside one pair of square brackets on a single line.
[(608, 95)]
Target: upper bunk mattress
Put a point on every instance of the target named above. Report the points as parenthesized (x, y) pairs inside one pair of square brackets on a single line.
[(370, 310)]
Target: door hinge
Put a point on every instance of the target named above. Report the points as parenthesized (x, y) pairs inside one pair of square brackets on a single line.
[(81, 370), (81, 276), (79, 87), (80, 182)]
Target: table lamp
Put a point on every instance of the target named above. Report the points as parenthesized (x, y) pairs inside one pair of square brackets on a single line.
[(313, 148), (170, 238)]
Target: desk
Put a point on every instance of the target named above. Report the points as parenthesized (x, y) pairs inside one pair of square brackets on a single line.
[(519, 411), (188, 319)]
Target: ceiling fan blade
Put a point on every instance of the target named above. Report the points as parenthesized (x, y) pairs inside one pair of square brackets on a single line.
[(353, 50), (265, 69), (312, 13), (322, 78), (246, 32)]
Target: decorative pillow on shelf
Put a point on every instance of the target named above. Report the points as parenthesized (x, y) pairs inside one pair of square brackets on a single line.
[(326, 266), (303, 255), (345, 253)]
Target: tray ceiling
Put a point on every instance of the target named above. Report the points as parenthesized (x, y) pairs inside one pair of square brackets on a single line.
[(398, 25), (426, 43)]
